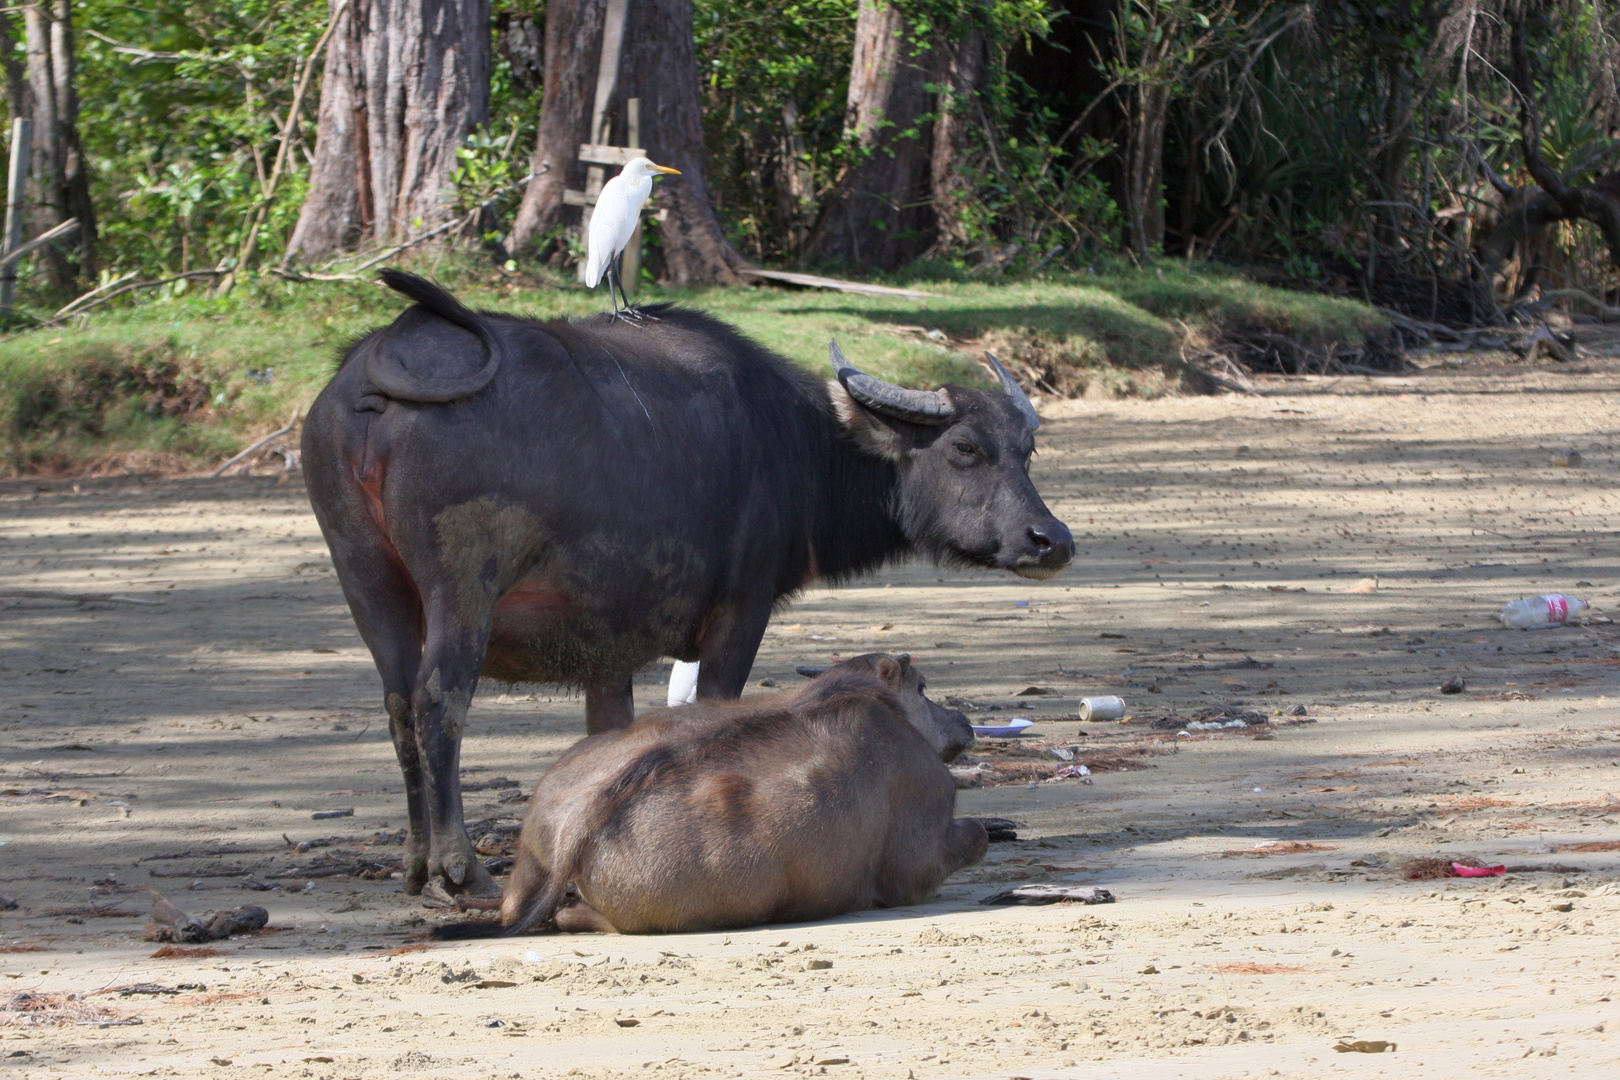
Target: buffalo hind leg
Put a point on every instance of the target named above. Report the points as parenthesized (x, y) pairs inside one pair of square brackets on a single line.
[(389, 617), (417, 829), (609, 707), (445, 683)]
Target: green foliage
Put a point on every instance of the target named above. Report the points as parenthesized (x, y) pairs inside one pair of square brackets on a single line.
[(776, 76), (180, 115)]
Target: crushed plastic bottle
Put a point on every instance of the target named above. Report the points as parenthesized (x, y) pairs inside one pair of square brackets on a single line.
[(1540, 612)]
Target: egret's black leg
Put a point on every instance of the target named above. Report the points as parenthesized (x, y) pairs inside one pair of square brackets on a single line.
[(613, 282), (630, 310)]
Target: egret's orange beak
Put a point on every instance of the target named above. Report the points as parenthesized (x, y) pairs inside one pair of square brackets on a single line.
[(666, 170)]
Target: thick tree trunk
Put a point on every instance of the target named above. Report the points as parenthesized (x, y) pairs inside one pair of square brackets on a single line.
[(573, 46), (405, 81), (660, 67), (658, 64), (60, 183), (878, 217)]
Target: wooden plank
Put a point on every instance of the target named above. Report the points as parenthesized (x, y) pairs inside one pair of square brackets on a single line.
[(630, 266), (607, 65), (597, 154), (572, 197), (814, 281)]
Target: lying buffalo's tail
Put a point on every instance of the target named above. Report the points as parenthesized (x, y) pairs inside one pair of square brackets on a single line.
[(385, 365), (533, 892), (467, 931)]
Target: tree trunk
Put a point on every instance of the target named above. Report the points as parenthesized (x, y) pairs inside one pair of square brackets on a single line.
[(14, 58), (573, 46), (61, 185), (658, 64), (660, 67), (1144, 167), (878, 216), (962, 67), (405, 81)]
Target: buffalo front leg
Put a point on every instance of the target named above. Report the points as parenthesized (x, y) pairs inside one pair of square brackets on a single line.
[(444, 691), (727, 645)]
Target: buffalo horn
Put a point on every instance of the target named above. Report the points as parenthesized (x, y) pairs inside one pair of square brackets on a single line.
[(809, 671), (1014, 391), (916, 406)]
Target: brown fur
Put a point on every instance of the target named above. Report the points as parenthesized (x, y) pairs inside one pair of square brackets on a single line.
[(804, 805)]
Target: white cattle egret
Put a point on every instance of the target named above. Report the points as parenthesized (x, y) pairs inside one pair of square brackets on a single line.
[(613, 222)]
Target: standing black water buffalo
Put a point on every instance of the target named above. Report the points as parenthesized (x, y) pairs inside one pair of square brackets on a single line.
[(565, 502)]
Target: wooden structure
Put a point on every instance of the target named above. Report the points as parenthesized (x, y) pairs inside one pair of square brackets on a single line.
[(599, 153)]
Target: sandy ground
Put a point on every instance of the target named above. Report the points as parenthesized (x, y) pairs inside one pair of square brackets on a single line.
[(1262, 913)]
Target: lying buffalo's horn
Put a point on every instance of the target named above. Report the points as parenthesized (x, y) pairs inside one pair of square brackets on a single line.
[(917, 406), (809, 671), (1014, 391)]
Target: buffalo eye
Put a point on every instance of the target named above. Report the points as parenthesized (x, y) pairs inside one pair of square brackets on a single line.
[(963, 447)]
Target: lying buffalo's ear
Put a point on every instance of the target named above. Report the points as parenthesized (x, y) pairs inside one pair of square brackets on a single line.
[(809, 671), (890, 670)]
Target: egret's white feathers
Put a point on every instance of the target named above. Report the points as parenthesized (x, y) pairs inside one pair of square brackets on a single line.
[(613, 221)]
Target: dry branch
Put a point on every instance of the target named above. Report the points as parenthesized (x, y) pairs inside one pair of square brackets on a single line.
[(66, 228), (78, 598), (79, 307), (1589, 202), (258, 445)]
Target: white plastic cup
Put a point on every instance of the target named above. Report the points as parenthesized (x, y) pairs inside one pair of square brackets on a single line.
[(1102, 708)]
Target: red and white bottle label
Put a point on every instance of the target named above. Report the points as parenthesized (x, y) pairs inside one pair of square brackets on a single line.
[(1557, 608)]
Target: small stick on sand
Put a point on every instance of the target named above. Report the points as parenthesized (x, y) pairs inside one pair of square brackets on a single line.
[(78, 598)]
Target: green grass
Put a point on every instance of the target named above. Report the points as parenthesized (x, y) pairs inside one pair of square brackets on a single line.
[(180, 381)]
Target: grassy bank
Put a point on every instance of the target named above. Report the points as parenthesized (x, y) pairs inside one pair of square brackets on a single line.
[(182, 380)]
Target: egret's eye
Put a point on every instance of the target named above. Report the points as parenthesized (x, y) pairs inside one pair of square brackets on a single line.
[(963, 447)]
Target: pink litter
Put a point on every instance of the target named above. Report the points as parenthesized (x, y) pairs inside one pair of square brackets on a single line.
[(1460, 870)]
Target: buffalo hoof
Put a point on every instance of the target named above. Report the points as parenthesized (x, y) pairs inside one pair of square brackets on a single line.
[(462, 871), (415, 865)]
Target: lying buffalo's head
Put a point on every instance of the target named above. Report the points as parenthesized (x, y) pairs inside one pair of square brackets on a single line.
[(962, 456), (946, 730)]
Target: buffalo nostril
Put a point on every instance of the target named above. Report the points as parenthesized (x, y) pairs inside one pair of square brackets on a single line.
[(1040, 540)]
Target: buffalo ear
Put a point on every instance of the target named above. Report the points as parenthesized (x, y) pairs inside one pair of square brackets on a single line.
[(891, 671), (870, 431)]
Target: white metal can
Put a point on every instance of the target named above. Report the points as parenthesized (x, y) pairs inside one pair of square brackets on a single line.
[(1102, 708)]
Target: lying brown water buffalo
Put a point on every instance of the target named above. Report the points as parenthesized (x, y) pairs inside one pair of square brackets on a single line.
[(565, 502), (713, 816)]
